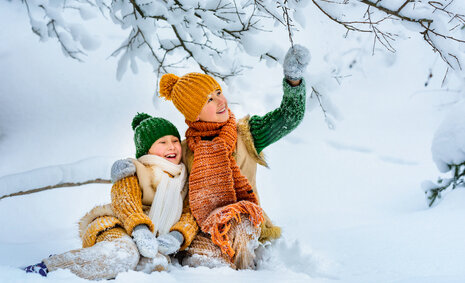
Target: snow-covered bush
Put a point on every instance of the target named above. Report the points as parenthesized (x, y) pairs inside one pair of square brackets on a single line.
[(448, 151)]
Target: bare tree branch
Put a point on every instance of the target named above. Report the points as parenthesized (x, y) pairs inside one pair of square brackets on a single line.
[(64, 185), (430, 32), (395, 13)]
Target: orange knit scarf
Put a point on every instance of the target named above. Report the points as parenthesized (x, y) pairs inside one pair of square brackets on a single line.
[(218, 192)]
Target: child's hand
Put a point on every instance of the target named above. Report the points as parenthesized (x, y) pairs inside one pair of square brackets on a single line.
[(121, 169), (295, 62), (145, 241), (170, 243)]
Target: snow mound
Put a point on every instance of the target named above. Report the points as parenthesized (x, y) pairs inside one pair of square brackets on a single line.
[(448, 146), (284, 255)]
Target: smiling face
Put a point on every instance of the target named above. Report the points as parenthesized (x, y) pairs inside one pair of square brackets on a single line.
[(168, 147), (216, 108)]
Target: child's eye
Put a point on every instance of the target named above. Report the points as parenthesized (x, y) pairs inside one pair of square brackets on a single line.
[(162, 142), (210, 100), (218, 93)]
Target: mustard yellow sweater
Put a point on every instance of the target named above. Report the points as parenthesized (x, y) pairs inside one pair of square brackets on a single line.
[(126, 204)]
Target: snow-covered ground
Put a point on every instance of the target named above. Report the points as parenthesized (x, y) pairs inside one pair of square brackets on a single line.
[(349, 200)]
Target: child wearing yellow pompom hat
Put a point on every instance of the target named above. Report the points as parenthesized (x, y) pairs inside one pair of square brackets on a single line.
[(222, 154)]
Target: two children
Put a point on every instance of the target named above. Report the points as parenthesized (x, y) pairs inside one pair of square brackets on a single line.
[(221, 156), (146, 201)]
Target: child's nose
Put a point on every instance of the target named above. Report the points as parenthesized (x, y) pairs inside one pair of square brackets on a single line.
[(219, 100)]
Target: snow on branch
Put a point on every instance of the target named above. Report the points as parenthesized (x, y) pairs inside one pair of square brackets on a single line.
[(90, 170), (169, 33), (63, 185), (448, 150), (441, 23)]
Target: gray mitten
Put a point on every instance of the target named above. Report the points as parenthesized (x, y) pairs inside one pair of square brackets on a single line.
[(121, 169), (170, 243), (295, 62), (145, 241)]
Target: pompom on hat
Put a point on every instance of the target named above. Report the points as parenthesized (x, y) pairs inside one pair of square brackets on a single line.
[(148, 129), (188, 93)]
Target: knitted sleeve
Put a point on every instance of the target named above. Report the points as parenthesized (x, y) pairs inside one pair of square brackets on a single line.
[(279, 122), (186, 225), (126, 203), (96, 227)]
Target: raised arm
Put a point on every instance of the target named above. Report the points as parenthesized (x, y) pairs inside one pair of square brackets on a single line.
[(276, 124)]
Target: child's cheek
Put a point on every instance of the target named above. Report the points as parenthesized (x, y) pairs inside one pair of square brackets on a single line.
[(210, 111)]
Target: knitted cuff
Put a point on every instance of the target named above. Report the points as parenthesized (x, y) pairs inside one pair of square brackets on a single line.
[(96, 227), (188, 227), (292, 78), (111, 234), (137, 219), (293, 90)]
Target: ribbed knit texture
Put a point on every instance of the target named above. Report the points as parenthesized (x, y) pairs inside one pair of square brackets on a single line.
[(126, 203), (148, 129), (111, 234), (186, 225), (280, 122), (189, 93), (218, 192), (96, 227)]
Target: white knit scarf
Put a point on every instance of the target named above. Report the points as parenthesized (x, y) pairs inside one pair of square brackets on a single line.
[(167, 203)]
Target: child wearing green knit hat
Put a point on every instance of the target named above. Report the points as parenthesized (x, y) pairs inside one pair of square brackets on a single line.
[(146, 220), (147, 130)]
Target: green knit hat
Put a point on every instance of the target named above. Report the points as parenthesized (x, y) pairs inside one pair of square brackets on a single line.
[(148, 129)]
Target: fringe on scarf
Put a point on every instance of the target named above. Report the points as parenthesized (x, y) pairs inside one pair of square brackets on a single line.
[(218, 223)]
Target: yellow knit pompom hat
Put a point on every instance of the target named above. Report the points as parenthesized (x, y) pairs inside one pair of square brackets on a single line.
[(188, 93)]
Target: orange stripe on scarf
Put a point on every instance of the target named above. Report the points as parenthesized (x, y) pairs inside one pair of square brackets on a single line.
[(215, 180)]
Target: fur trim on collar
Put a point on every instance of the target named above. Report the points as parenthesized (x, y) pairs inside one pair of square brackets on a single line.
[(243, 128), (94, 213)]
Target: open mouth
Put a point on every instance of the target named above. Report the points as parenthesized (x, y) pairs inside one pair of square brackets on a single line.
[(222, 110), (171, 156)]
